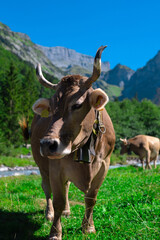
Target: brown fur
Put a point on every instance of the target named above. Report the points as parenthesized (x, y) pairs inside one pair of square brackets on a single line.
[(144, 146), (73, 129)]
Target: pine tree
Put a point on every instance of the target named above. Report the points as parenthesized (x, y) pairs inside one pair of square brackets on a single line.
[(29, 93), (9, 91)]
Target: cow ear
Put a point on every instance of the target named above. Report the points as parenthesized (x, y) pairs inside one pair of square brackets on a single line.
[(42, 107), (98, 99)]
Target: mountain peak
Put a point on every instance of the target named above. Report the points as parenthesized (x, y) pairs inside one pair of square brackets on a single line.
[(120, 66), (119, 75), (145, 81)]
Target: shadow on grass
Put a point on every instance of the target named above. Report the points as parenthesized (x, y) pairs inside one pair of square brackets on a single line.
[(17, 226)]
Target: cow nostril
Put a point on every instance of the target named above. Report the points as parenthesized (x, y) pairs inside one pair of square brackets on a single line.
[(53, 147)]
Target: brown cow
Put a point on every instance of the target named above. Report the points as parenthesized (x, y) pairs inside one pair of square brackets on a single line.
[(144, 146), (62, 135)]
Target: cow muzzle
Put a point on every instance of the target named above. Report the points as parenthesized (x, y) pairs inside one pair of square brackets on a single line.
[(53, 148)]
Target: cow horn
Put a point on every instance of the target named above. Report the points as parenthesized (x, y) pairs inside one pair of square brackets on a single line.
[(42, 79), (121, 139), (124, 140), (96, 67)]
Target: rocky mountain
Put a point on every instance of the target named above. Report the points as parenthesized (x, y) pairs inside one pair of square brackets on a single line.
[(69, 59), (57, 61), (119, 75), (21, 45), (60, 61), (145, 82)]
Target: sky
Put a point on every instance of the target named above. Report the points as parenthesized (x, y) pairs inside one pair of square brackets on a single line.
[(130, 29)]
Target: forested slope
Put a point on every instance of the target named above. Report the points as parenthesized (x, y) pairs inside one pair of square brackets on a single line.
[(19, 89)]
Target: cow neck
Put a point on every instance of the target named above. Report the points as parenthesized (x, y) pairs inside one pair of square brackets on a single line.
[(87, 152), (98, 125)]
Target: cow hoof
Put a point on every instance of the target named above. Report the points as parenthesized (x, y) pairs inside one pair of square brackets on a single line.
[(55, 238), (90, 229), (66, 213)]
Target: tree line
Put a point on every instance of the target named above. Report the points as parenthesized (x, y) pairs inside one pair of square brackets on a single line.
[(132, 117), (19, 89)]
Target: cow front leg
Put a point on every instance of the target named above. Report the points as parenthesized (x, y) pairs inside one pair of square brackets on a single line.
[(91, 197), (47, 190), (88, 224), (66, 212), (59, 202)]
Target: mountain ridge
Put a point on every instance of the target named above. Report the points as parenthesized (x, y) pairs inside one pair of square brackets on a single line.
[(66, 58), (121, 81), (119, 75), (54, 60), (21, 45), (145, 82)]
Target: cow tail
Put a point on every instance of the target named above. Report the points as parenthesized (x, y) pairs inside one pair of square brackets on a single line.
[(24, 126)]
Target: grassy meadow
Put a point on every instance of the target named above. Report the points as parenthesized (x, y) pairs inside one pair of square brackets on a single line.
[(13, 159), (128, 207), (16, 161)]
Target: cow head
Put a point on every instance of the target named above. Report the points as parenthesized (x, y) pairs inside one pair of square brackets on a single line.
[(70, 112), (125, 146)]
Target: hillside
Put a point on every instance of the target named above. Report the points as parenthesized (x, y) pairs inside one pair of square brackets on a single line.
[(56, 61), (19, 89), (119, 75), (145, 82), (21, 45)]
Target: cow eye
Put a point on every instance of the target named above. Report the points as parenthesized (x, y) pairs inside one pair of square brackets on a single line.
[(76, 106)]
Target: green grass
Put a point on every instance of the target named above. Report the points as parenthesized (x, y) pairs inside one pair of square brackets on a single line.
[(15, 161), (128, 207), (116, 158), (114, 90), (13, 158)]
